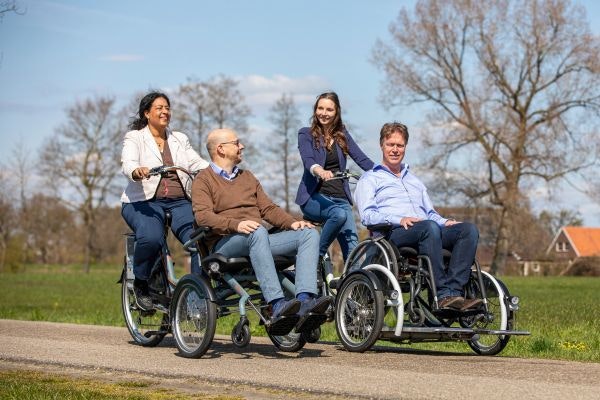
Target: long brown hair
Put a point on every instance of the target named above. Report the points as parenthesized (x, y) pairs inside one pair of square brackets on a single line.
[(337, 129)]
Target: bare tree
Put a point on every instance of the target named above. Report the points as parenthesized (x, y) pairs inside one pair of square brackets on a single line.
[(7, 6), (204, 106), (281, 153), (553, 221), (81, 161), (514, 88), (8, 216)]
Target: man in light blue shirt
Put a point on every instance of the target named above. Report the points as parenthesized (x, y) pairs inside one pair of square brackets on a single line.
[(391, 194)]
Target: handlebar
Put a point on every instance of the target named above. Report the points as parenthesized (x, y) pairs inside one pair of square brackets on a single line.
[(347, 174), (165, 169)]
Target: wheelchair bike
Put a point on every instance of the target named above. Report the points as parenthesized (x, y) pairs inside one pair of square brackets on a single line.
[(189, 307), (388, 293), (229, 286)]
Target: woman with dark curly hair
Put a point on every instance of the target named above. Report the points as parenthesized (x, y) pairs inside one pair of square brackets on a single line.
[(150, 143)]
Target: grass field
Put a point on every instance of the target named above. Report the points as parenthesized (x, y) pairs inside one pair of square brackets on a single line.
[(562, 313)]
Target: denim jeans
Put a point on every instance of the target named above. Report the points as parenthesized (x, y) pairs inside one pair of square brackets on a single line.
[(338, 222), (147, 220), (429, 239), (261, 247)]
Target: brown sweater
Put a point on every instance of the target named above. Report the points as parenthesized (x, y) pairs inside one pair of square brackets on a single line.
[(222, 204)]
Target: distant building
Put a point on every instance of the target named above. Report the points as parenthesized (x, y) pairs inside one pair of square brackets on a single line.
[(573, 242), (573, 250)]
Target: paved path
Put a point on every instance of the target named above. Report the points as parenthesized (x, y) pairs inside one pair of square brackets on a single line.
[(258, 371)]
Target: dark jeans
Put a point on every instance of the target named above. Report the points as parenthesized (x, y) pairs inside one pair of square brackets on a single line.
[(429, 239), (147, 220), (338, 222)]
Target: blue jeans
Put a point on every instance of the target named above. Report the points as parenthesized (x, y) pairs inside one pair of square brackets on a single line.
[(261, 247), (147, 220), (338, 222), (429, 239)]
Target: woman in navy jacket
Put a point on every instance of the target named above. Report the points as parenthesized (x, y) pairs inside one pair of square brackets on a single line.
[(324, 148)]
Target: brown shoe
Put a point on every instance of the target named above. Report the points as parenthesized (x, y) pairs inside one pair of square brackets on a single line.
[(470, 304), (454, 302)]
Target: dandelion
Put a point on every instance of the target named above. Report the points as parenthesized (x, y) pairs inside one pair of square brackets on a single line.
[(577, 346)]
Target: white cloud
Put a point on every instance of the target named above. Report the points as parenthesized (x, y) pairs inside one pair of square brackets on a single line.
[(122, 58), (263, 91)]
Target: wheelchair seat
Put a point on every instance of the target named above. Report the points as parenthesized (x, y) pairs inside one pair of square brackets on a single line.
[(217, 262)]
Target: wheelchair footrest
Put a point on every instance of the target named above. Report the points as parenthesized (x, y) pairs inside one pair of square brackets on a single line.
[(282, 325), (417, 334), (310, 321), (501, 332)]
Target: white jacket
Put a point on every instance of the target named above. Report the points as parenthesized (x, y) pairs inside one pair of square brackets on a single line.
[(140, 150)]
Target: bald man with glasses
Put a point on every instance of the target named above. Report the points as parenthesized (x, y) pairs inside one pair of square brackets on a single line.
[(233, 203)]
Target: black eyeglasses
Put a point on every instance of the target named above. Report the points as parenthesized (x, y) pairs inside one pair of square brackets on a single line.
[(236, 142)]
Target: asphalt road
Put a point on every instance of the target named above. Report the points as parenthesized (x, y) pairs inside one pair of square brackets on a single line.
[(259, 371)]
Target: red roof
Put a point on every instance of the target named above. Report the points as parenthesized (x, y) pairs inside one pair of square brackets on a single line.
[(585, 241)]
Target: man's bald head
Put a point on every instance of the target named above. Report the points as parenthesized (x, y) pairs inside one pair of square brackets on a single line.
[(217, 137)]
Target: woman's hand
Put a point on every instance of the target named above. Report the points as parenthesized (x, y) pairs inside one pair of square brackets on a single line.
[(140, 173), (323, 173)]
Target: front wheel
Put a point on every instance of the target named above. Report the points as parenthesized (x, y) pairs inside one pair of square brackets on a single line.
[(359, 313), (194, 316), (497, 317), (147, 328), (290, 343)]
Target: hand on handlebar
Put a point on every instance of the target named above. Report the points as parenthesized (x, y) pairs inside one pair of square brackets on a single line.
[(145, 172), (140, 173), (323, 173)]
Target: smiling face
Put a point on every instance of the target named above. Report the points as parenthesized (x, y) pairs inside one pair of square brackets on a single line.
[(393, 148), (325, 112), (159, 114), (232, 147)]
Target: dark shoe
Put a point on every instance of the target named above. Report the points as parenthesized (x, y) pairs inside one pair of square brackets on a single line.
[(452, 302), (313, 314), (142, 295), (471, 304), (286, 308), (284, 317)]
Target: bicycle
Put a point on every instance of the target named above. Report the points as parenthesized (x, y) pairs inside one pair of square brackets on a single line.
[(148, 328), (327, 282)]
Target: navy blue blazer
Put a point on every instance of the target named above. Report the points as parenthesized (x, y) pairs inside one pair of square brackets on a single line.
[(311, 156)]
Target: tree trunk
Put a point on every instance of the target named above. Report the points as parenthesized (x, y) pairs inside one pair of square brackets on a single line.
[(501, 247)]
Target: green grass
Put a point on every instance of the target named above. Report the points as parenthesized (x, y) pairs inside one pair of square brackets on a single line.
[(560, 312), (36, 385)]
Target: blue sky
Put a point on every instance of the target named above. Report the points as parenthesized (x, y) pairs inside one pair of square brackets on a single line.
[(62, 51)]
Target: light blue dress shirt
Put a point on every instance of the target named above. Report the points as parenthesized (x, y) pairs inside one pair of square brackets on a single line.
[(382, 197), (221, 172)]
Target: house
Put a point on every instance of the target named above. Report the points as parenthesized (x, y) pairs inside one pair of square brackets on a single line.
[(573, 242)]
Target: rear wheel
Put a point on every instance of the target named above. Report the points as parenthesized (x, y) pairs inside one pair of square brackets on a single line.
[(497, 317), (147, 328), (359, 313), (194, 316)]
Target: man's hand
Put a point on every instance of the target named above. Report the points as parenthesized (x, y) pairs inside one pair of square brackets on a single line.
[(408, 221), (451, 222), (247, 226), (301, 225)]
